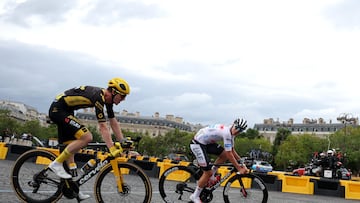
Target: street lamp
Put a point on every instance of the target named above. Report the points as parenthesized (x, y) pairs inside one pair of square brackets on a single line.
[(346, 118)]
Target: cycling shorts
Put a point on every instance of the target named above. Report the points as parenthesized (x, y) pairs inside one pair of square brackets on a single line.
[(69, 127), (201, 152)]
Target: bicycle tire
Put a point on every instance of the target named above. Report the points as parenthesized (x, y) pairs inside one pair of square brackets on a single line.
[(255, 188), (176, 184), (24, 177), (137, 185)]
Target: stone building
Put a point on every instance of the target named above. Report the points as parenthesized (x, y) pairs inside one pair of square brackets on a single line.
[(317, 127)]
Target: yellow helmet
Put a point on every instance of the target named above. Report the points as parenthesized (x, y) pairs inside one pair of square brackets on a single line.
[(119, 85)]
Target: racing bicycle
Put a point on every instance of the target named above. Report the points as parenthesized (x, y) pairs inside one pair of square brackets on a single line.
[(177, 183), (116, 180)]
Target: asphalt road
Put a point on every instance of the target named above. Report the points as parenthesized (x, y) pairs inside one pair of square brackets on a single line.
[(7, 194)]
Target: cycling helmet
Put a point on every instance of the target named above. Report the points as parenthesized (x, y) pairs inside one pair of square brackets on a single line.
[(330, 152), (240, 124), (119, 85)]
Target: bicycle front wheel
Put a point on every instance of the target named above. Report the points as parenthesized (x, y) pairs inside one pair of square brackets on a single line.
[(136, 185), (32, 181), (176, 184), (245, 188)]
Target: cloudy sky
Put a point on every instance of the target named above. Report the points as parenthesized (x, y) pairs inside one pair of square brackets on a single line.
[(206, 61)]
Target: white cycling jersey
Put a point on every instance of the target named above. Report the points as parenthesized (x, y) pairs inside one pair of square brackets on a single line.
[(216, 133)]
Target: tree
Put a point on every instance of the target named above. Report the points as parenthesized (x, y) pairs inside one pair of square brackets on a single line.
[(6, 122), (299, 149), (251, 134), (347, 141), (281, 135)]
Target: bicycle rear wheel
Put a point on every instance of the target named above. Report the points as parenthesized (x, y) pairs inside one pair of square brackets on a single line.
[(176, 184), (32, 181), (136, 185), (245, 188)]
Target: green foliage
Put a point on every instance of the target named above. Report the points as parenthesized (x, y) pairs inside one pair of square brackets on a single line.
[(251, 134), (6, 122), (347, 141), (244, 145), (298, 148), (174, 141), (33, 127), (281, 135)]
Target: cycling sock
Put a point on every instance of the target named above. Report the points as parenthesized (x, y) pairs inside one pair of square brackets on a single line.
[(63, 156), (73, 169), (197, 191)]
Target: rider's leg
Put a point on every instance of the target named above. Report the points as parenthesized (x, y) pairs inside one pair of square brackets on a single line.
[(200, 185), (73, 172), (68, 153), (219, 160)]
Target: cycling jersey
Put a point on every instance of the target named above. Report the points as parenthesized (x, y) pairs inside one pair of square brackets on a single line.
[(61, 111), (84, 97), (214, 134)]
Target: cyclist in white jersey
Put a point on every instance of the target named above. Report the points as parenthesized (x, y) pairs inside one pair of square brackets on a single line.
[(205, 142)]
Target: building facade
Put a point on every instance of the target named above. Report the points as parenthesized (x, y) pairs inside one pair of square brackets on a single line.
[(152, 125), (317, 127)]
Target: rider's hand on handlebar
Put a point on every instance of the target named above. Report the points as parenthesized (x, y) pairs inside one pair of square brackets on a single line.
[(243, 169), (126, 144), (116, 150)]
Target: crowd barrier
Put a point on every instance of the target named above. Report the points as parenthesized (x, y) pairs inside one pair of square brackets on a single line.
[(275, 180)]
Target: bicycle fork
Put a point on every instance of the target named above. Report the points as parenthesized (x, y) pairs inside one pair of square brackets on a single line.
[(118, 176)]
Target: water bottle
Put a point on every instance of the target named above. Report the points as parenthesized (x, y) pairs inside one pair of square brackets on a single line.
[(91, 163)]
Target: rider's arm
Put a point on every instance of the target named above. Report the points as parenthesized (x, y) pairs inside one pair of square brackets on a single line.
[(115, 126), (105, 133), (236, 155), (230, 156)]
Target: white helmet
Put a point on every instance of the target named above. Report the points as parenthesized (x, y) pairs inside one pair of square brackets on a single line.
[(330, 152)]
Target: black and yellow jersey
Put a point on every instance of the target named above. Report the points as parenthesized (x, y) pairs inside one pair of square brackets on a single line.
[(85, 97)]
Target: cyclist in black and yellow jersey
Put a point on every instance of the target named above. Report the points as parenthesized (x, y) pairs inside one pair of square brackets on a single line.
[(74, 134)]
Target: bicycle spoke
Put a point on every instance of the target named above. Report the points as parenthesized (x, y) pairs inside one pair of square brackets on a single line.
[(176, 185), (32, 182), (135, 186), (247, 188)]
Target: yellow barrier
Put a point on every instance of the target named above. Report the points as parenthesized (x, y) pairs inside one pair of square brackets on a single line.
[(55, 151), (355, 178), (223, 170), (153, 159), (3, 150), (279, 174), (298, 184), (352, 189), (164, 166), (43, 160)]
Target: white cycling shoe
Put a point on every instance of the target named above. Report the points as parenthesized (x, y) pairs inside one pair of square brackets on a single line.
[(195, 199), (83, 196), (59, 170)]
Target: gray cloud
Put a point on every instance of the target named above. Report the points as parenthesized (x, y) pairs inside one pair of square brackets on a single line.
[(110, 12), (35, 74), (48, 11), (345, 14)]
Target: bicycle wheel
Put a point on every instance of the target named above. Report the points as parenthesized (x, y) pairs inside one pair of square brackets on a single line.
[(176, 184), (137, 185), (245, 188), (32, 181)]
